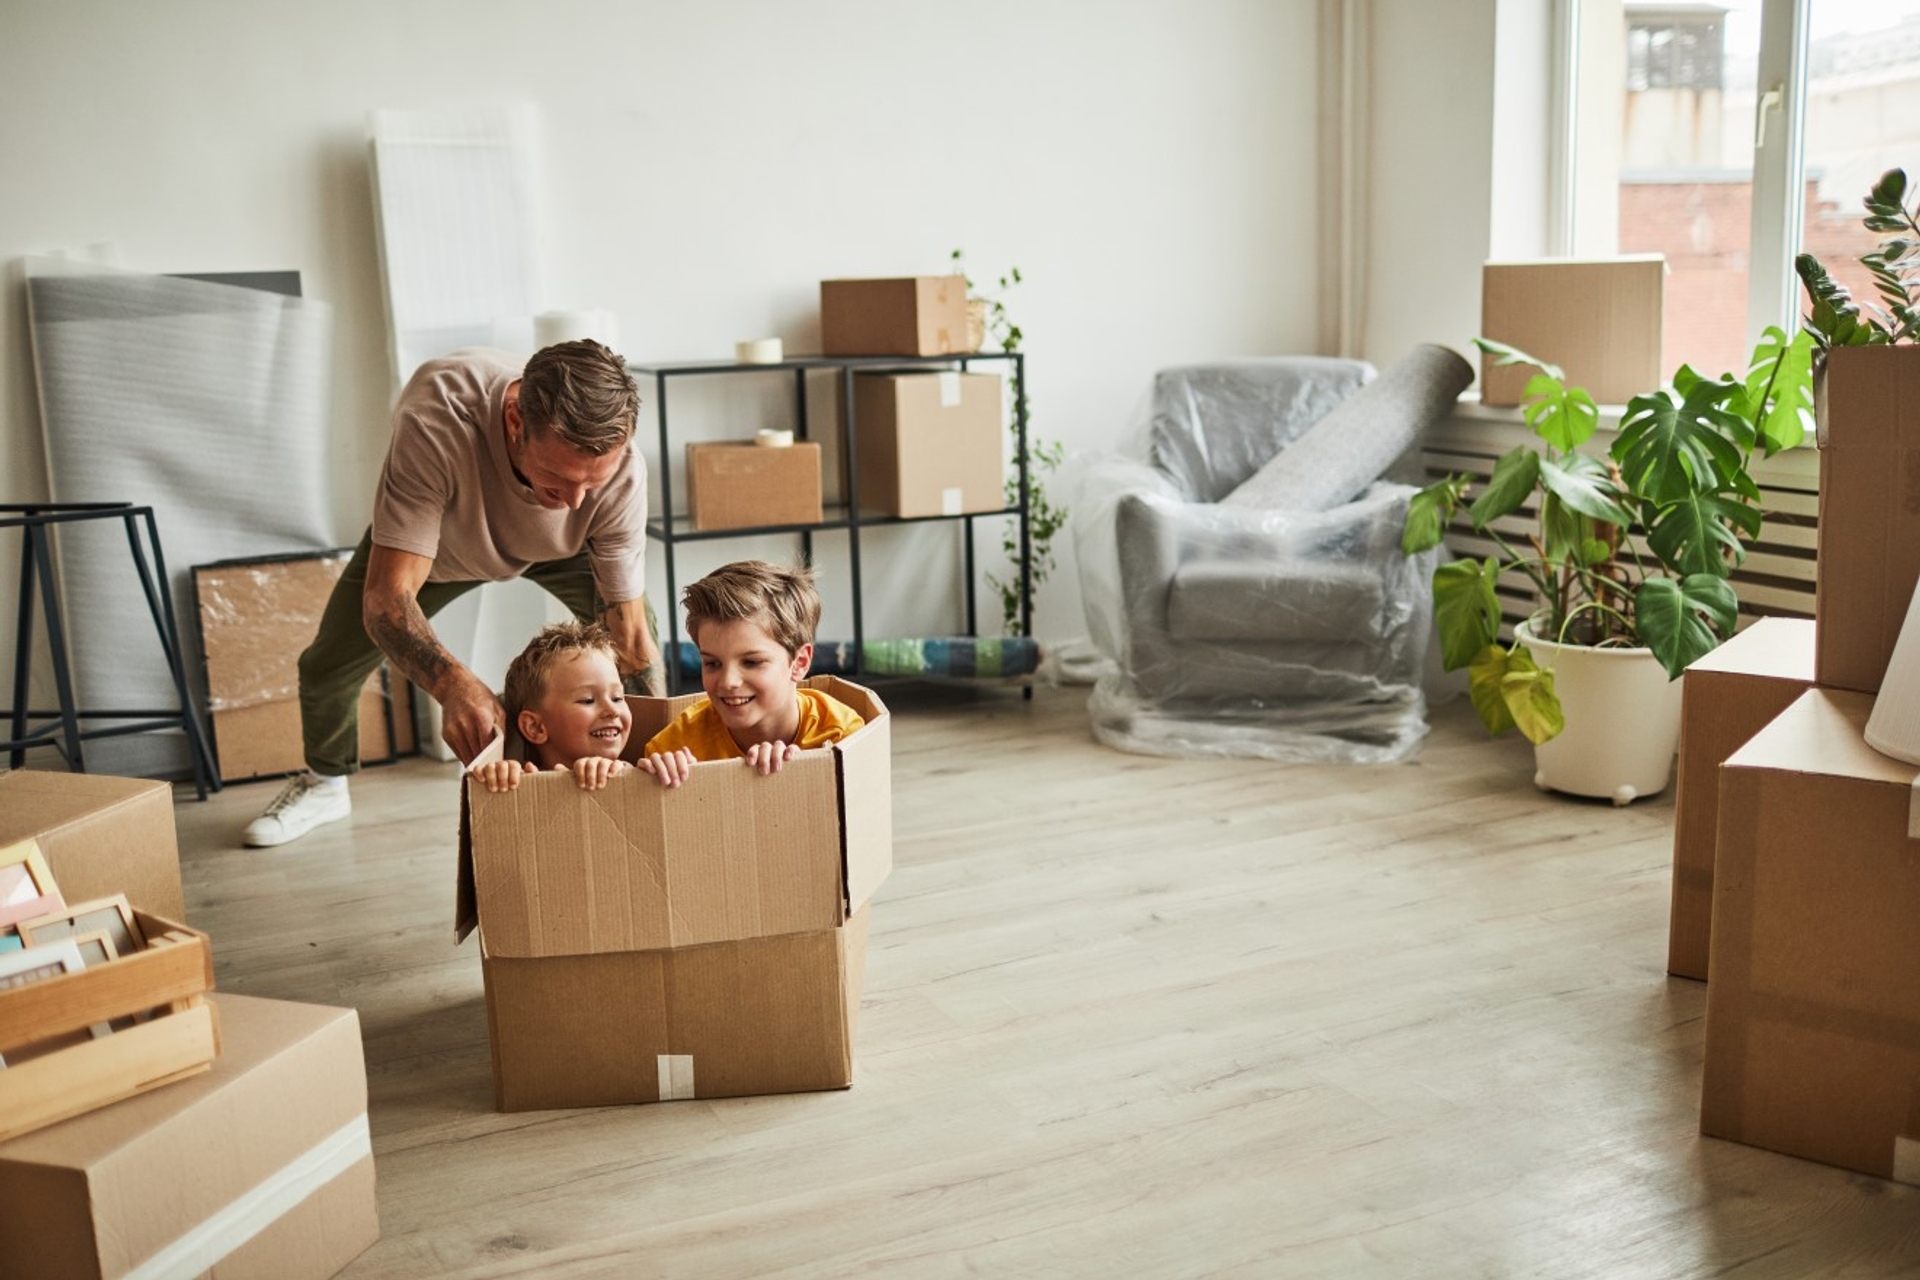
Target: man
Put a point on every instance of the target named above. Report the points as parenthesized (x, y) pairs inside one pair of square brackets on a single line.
[(493, 473)]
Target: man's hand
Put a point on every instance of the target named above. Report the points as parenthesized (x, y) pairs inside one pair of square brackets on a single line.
[(470, 715), (639, 651)]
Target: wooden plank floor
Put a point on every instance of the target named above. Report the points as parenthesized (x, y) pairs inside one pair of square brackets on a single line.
[(1124, 1017)]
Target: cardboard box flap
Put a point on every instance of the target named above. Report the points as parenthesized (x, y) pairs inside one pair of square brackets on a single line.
[(1773, 648), (636, 866), (1821, 733)]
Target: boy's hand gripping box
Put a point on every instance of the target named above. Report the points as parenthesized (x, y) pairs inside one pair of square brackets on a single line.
[(642, 944)]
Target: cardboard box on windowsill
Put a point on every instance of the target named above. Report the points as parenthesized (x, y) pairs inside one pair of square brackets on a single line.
[(1598, 319), (101, 835), (259, 1168), (644, 944), (930, 442), (1727, 697), (1811, 1046)]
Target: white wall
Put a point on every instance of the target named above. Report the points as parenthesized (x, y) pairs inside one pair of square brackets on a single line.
[(1145, 162), (1431, 173)]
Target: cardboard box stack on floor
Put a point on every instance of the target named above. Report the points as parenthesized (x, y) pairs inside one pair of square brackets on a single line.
[(644, 944), (1727, 697), (148, 1127), (261, 1167), (1813, 1008)]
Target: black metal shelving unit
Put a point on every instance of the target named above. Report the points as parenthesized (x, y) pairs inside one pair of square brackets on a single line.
[(671, 529)]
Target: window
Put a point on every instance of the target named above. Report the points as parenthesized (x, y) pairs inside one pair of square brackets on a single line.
[(1727, 136)]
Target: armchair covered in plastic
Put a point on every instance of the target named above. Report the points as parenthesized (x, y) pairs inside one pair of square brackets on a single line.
[(1246, 577)]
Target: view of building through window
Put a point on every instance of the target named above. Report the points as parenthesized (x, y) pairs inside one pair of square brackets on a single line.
[(1686, 150)]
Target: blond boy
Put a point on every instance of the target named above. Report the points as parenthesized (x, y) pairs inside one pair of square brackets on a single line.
[(753, 623), (565, 697)]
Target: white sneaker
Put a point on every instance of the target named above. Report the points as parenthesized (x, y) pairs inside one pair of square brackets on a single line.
[(306, 802)]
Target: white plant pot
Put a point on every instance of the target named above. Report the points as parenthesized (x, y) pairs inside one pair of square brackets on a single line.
[(1623, 721)]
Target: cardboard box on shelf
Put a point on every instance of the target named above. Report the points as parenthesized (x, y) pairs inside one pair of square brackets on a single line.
[(1599, 320), (101, 835), (256, 615), (930, 442), (1811, 1046), (642, 944), (1869, 430), (274, 1142), (1727, 697), (737, 484), (906, 316), (168, 978)]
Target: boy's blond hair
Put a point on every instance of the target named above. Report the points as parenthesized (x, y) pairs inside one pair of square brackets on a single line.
[(528, 673), (782, 601)]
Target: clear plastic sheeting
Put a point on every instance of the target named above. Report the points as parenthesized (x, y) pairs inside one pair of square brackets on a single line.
[(1297, 635)]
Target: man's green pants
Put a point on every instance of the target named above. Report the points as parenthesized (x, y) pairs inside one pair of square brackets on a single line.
[(342, 655)]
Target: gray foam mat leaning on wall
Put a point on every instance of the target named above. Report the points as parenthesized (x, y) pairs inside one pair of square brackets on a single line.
[(207, 402)]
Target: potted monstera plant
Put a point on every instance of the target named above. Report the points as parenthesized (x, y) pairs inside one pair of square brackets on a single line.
[(1622, 557)]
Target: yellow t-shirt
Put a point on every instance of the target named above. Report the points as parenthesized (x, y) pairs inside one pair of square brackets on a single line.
[(822, 720)]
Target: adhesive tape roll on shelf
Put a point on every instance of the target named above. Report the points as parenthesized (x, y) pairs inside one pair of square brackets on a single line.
[(759, 351), (550, 327), (770, 439)]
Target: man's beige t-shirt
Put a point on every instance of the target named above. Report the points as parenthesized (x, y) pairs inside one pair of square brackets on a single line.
[(449, 491)]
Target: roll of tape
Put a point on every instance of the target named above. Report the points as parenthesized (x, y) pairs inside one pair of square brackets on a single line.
[(759, 351), (550, 327), (772, 439)]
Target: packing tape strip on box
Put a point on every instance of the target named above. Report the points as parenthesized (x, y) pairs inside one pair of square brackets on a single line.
[(1913, 808), (949, 389), (676, 1076), (260, 1206)]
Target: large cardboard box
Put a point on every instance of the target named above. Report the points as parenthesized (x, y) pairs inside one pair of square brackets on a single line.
[(737, 484), (101, 835), (1728, 696), (1868, 409), (1811, 1040), (256, 615), (1598, 320), (908, 316), (643, 944), (261, 1167), (929, 442)]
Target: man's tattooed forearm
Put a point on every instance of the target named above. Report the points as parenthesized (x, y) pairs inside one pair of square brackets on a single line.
[(406, 638)]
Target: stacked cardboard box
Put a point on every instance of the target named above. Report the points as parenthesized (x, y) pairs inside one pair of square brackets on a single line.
[(261, 1167), (1815, 991), (643, 944), (100, 835), (1727, 697)]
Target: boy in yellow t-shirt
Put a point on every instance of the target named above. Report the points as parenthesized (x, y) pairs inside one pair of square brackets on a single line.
[(754, 624)]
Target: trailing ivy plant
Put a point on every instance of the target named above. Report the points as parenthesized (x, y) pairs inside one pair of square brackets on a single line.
[(1633, 547), (1834, 318), (1045, 518)]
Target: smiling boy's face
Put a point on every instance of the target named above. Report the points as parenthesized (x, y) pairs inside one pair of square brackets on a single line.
[(581, 712), (752, 680)]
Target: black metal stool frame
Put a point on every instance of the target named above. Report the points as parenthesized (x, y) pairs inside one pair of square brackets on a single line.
[(36, 520)]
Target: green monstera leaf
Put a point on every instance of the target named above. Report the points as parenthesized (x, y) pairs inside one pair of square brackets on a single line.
[(1466, 613), (1683, 621), (1696, 534), (1515, 476), (1780, 383), (1671, 445)]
